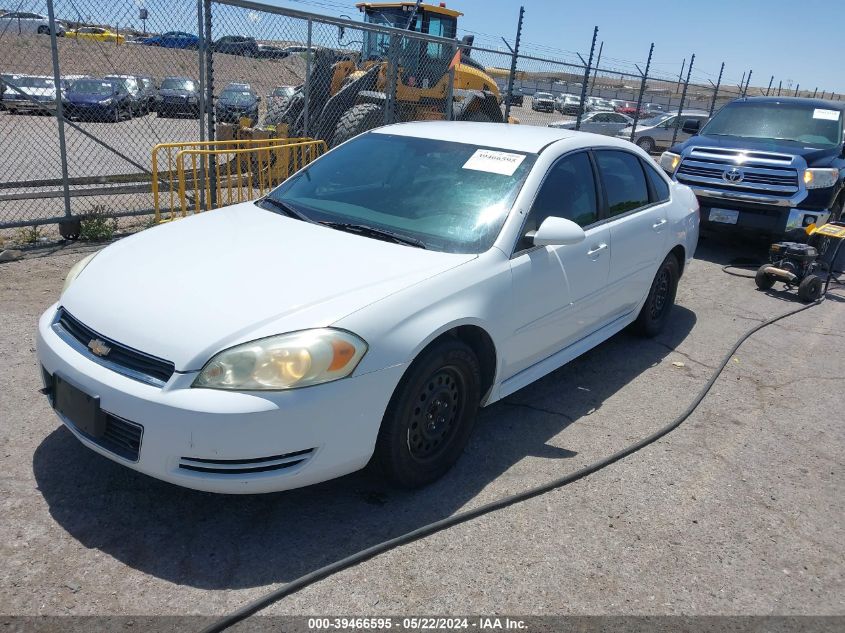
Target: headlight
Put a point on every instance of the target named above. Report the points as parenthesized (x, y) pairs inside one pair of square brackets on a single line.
[(105, 101), (820, 178), (192, 99), (287, 361), (77, 269), (669, 162)]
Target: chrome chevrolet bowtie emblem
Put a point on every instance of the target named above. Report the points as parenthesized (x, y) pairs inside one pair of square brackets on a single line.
[(98, 347), (734, 174)]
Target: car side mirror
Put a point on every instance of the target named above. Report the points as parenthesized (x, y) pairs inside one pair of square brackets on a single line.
[(691, 127), (556, 231)]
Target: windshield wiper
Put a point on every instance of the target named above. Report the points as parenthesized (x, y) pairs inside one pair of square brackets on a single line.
[(370, 231), (285, 208)]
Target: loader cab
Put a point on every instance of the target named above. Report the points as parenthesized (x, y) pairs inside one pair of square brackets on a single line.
[(422, 63)]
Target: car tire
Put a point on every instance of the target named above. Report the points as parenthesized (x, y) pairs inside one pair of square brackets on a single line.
[(661, 298), (763, 279), (430, 416), (43, 30), (357, 120), (646, 143), (810, 288)]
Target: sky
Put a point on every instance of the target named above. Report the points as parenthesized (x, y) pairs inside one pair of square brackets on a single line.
[(797, 42)]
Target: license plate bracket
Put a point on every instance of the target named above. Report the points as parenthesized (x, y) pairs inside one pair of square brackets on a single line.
[(723, 216), (79, 408)]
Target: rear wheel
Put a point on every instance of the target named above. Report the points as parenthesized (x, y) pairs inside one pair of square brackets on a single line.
[(647, 144), (810, 288), (357, 120), (43, 30), (661, 297), (430, 416)]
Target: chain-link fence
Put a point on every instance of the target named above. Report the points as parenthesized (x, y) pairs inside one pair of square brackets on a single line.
[(136, 74)]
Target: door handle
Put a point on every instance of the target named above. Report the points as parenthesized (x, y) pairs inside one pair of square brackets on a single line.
[(659, 225), (597, 249)]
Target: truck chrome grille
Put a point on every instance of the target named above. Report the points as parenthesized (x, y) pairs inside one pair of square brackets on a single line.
[(769, 173)]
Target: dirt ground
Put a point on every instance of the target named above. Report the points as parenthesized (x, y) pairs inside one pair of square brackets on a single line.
[(738, 512)]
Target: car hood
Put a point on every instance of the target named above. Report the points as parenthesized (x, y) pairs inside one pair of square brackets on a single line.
[(170, 92), (813, 154), (86, 97), (185, 290), (36, 92)]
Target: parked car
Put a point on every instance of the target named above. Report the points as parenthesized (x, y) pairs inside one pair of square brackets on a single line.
[(178, 95), (569, 105), (656, 134), (543, 102), (652, 110), (595, 104), (280, 95), (173, 39), (149, 92), (605, 123), (235, 102), (268, 51), (517, 97), (628, 108), (136, 92), (35, 94), (97, 34), (19, 22), (768, 166), (98, 100), (236, 45), (6, 83), (435, 301)]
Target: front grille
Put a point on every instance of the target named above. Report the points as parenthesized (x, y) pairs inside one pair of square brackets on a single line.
[(245, 466), (120, 358), (771, 174)]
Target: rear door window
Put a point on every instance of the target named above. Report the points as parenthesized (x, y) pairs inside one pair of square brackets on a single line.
[(624, 181)]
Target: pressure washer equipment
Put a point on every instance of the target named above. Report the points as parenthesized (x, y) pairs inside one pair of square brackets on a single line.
[(797, 264)]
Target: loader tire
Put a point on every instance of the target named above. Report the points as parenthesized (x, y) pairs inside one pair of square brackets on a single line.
[(276, 112), (357, 120)]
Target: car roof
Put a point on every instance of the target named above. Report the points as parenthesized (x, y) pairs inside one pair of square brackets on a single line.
[(817, 103), (517, 138)]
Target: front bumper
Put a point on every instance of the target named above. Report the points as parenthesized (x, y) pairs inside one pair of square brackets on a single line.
[(760, 219), (230, 442)]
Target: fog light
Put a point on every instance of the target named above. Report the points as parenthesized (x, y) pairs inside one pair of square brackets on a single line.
[(808, 220)]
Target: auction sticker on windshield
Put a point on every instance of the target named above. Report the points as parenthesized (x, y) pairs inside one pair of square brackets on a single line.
[(827, 115), (494, 162)]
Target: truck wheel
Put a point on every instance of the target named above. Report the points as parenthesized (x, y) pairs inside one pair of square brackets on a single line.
[(763, 279), (276, 111), (430, 416), (647, 144), (357, 120), (810, 288), (661, 297)]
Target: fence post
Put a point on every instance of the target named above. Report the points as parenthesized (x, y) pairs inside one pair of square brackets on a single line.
[(596, 71), (60, 116), (450, 89), (681, 75), (683, 98), (307, 89), (815, 92), (392, 78), (209, 100), (747, 83), (642, 91), (586, 79), (201, 98), (716, 91), (797, 86), (780, 85), (771, 81), (514, 54)]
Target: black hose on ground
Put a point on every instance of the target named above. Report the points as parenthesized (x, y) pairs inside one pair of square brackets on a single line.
[(462, 517)]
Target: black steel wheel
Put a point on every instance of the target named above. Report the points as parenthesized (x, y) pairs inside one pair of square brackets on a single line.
[(430, 416), (810, 288), (763, 279), (661, 298)]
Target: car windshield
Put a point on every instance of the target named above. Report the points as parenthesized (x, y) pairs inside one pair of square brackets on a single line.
[(91, 86), (178, 84), (283, 92), (451, 197), (657, 120), (34, 82), (797, 122), (237, 96)]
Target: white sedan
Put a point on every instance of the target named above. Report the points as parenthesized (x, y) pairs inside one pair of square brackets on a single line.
[(366, 308)]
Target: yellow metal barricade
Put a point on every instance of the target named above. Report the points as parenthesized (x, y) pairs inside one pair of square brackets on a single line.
[(238, 169)]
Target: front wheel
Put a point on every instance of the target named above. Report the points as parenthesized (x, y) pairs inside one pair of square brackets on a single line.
[(810, 288), (661, 297), (357, 120), (430, 416), (43, 30)]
